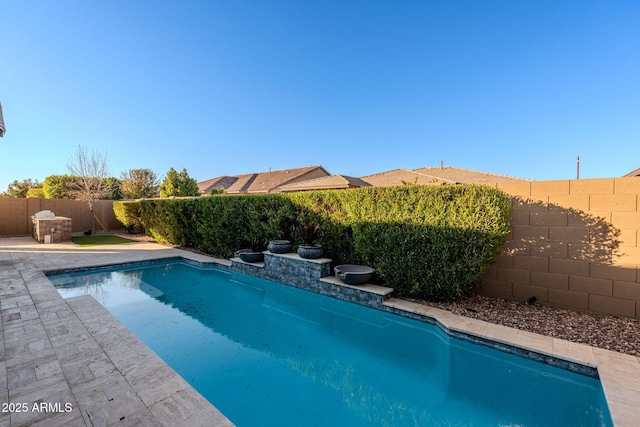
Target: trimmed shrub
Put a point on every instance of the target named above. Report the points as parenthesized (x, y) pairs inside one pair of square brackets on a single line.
[(431, 242), (170, 220), (129, 216), (225, 224)]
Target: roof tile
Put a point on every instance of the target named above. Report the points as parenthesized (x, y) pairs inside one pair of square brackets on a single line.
[(466, 176), (400, 176), (262, 182), (331, 182)]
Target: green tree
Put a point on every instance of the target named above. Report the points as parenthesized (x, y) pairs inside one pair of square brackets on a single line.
[(116, 188), (35, 193), (19, 189), (139, 184), (178, 184), (58, 187), (63, 187)]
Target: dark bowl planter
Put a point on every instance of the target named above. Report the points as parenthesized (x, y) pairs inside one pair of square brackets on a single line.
[(247, 255), (279, 246), (353, 274), (310, 251)]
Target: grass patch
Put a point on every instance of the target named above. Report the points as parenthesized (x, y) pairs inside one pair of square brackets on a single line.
[(101, 239)]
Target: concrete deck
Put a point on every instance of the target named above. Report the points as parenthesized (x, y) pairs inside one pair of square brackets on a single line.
[(69, 362)]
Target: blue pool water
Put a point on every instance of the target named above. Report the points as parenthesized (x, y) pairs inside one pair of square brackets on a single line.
[(269, 354)]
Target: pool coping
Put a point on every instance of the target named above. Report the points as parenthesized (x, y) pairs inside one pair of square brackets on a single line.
[(619, 373)]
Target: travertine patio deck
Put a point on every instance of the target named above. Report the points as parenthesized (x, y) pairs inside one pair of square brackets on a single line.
[(57, 352), (69, 362)]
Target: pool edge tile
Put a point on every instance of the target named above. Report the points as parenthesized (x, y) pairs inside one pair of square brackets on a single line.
[(620, 378), (575, 352)]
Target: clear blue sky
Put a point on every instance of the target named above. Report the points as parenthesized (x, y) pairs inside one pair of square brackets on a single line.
[(359, 86)]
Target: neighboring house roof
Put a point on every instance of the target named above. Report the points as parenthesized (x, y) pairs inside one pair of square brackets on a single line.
[(242, 183), (332, 182), (222, 182), (465, 176), (401, 176), (635, 172), (317, 178), (263, 182)]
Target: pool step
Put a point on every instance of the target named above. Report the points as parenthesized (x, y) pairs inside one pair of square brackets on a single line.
[(381, 291), (153, 292), (367, 294)]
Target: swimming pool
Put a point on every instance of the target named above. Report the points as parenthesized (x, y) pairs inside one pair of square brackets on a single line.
[(268, 354)]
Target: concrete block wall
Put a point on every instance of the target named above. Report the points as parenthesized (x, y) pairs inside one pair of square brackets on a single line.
[(573, 244)]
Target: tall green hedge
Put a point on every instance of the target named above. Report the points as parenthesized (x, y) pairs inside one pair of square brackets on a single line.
[(129, 216), (431, 242)]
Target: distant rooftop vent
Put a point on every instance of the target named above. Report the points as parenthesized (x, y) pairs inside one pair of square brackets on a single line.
[(2, 128)]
